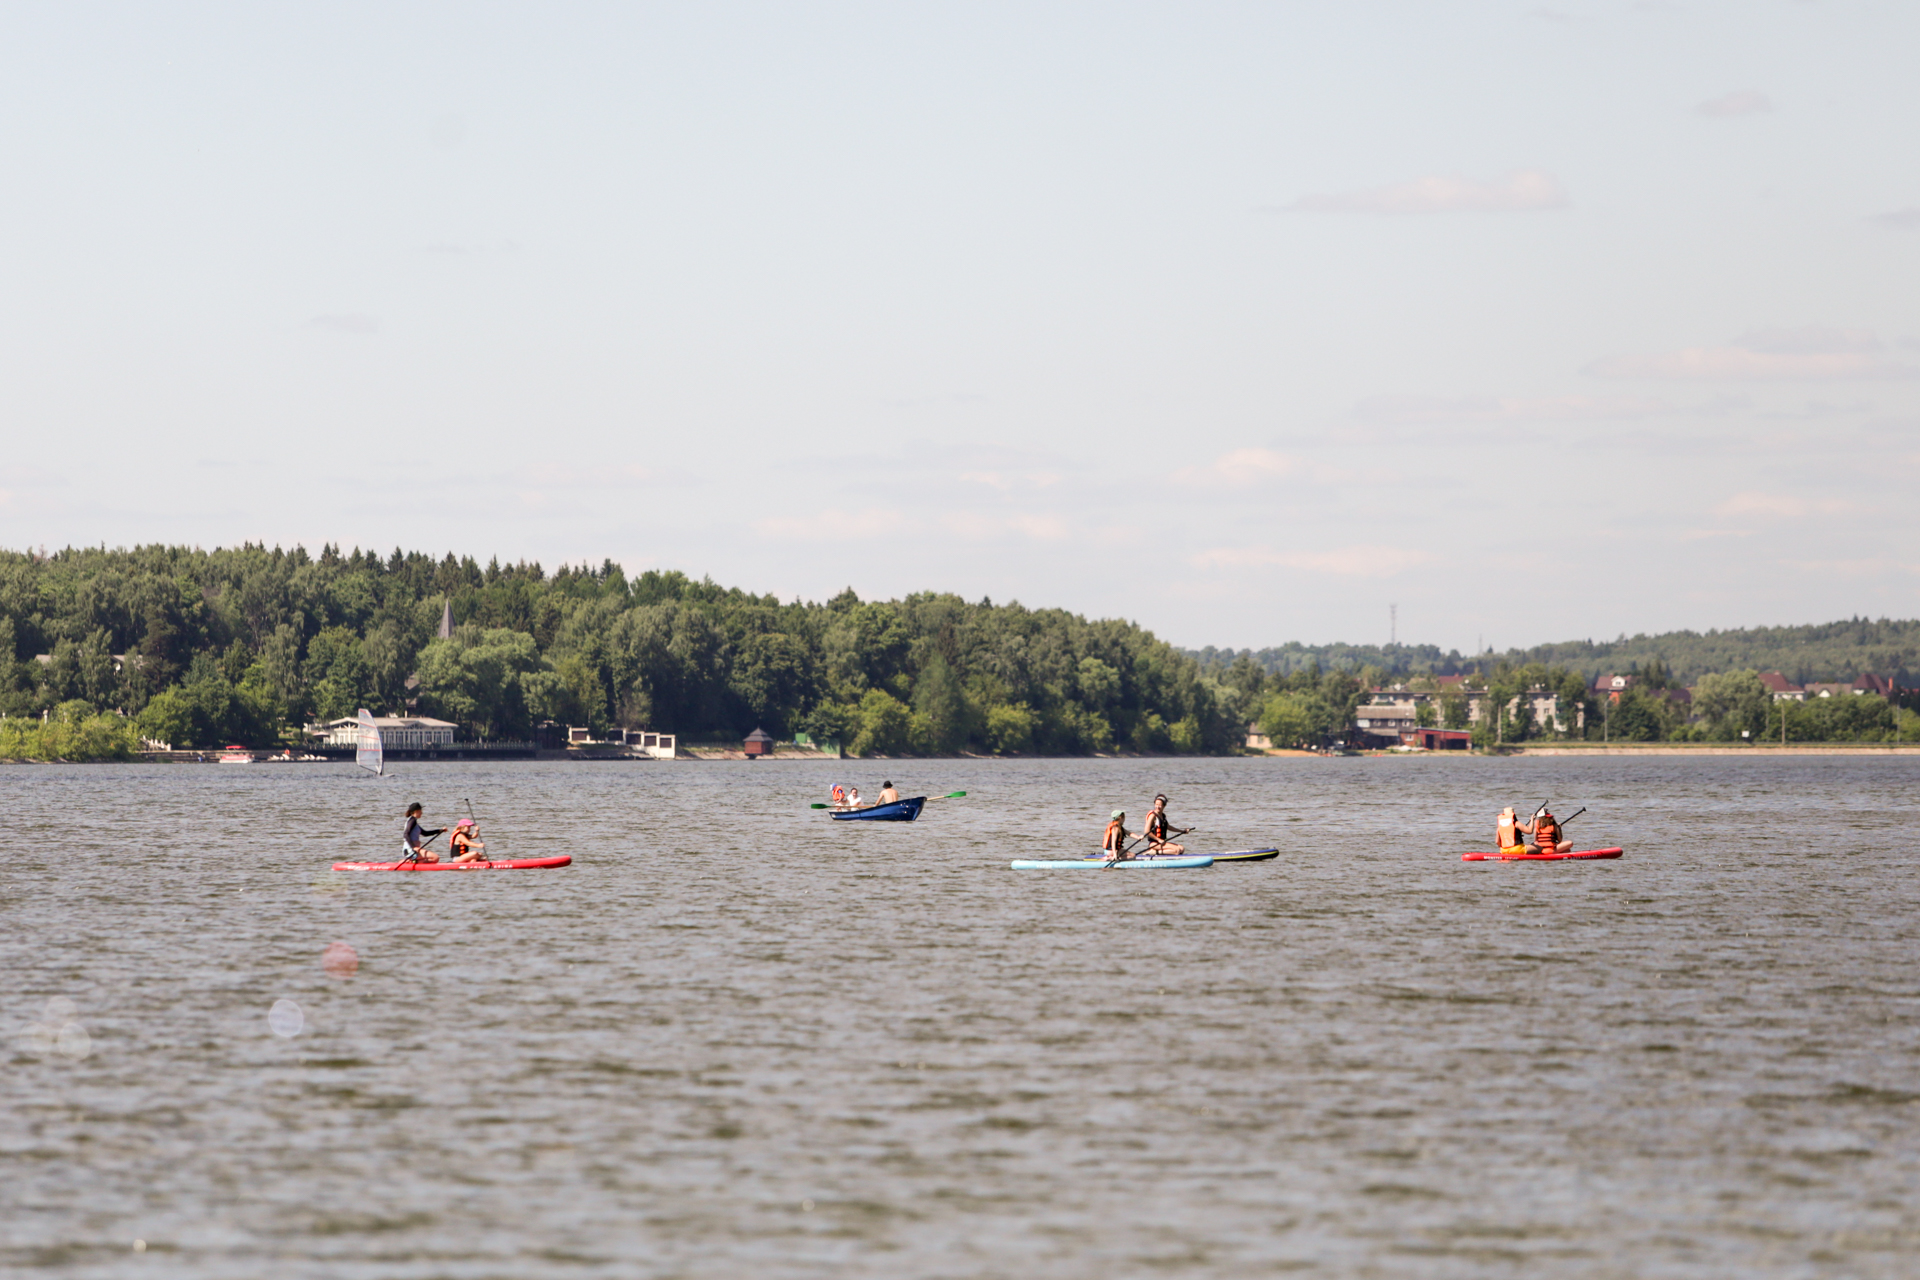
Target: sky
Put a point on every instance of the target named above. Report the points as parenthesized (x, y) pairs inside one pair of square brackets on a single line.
[(1248, 322)]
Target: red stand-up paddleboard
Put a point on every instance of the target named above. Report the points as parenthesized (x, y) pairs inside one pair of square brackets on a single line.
[(517, 864), (1541, 857)]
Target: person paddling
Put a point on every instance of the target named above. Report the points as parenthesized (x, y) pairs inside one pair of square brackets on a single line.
[(467, 846), (1113, 845), (1546, 832), (1509, 838), (888, 795), (417, 837), (1159, 831)]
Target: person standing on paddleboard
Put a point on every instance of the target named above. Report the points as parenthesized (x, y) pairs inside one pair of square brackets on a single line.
[(1159, 832), (1113, 845), (417, 836)]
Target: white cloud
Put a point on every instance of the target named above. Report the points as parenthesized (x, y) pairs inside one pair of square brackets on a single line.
[(981, 526), (1351, 562), (835, 526), (1809, 353), (1008, 481), (353, 322), (1907, 219), (1779, 506), (1522, 189), (1419, 408), (1745, 102), (1240, 468)]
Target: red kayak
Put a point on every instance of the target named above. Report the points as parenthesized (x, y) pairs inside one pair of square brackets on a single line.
[(517, 864), (1541, 857)]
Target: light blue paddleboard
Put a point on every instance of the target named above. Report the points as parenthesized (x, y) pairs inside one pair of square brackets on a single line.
[(1095, 864)]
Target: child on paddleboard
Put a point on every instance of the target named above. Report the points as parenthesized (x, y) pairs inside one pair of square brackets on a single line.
[(417, 837), (466, 843), (1113, 845)]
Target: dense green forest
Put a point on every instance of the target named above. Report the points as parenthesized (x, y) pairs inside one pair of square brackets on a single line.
[(1824, 651), (244, 645)]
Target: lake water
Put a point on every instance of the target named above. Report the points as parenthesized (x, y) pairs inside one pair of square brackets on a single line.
[(735, 1039)]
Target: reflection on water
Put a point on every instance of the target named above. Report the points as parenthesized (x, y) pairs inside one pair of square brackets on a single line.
[(735, 1038)]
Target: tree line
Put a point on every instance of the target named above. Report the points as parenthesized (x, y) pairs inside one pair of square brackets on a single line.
[(1823, 651), (244, 645), (1534, 702)]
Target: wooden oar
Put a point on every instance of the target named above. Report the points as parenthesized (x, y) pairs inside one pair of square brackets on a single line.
[(951, 795)]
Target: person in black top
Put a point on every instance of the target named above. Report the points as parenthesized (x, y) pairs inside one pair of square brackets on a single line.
[(1160, 832), (417, 837)]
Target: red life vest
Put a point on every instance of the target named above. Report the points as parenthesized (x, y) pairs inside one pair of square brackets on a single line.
[(1546, 832)]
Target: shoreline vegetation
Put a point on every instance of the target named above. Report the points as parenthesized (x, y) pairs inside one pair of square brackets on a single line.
[(105, 654), (202, 649)]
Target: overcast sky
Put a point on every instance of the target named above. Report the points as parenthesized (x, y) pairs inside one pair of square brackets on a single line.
[(1241, 321)]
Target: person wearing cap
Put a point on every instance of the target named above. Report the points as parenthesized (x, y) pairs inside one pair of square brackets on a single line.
[(1113, 845), (1508, 836), (417, 837), (1546, 832), (1159, 832), (888, 795), (466, 842)]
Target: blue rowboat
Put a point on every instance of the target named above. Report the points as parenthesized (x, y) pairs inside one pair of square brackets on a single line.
[(904, 810), (1125, 864)]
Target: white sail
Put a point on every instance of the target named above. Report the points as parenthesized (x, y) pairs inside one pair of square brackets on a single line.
[(372, 753)]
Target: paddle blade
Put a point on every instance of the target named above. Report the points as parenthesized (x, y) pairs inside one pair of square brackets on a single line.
[(819, 806), (953, 795)]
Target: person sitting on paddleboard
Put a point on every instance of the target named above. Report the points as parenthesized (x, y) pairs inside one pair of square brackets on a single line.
[(887, 794), (466, 843), (1113, 845), (1509, 838), (417, 837), (1159, 832), (1546, 834)]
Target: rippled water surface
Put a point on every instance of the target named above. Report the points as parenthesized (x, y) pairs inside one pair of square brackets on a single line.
[(735, 1039)]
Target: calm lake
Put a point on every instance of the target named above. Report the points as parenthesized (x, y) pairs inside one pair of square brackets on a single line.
[(736, 1039)]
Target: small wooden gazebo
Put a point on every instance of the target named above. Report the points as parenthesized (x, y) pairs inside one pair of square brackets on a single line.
[(759, 743)]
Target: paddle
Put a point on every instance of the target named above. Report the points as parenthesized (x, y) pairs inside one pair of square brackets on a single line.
[(413, 855), (1126, 852), (951, 795)]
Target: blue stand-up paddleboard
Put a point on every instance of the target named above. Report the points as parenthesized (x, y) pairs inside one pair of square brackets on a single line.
[(1125, 864)]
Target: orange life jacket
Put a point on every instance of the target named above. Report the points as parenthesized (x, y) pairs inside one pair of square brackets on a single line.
[(1116, 837), (839, 794), (1509, 831), (1546, 832)]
